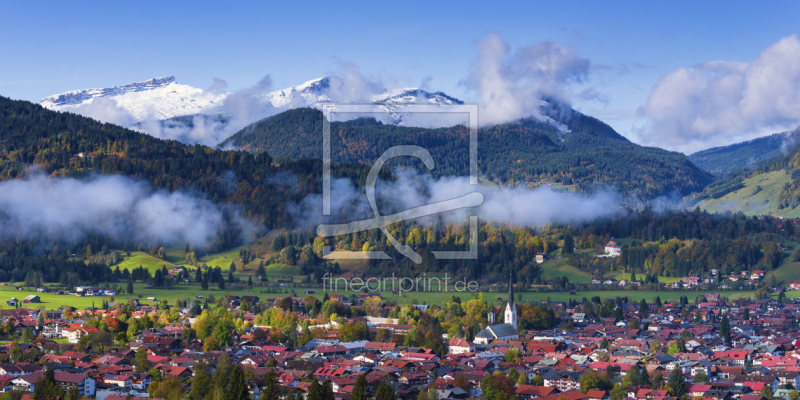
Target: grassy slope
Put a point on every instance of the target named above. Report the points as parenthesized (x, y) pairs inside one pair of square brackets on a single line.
[(147, 261), (761, 203), (559, 267), (175, 257), (282, 269), (789, 271), (223, 260)]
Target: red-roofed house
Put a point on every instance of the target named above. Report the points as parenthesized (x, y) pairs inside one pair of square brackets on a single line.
[(83, 382), (460, 346)]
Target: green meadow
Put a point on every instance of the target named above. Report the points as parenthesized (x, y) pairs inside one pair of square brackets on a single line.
[(191, 291)]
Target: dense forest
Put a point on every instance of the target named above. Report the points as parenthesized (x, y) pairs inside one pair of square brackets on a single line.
[(671, 244), (745, 155), (64, 144), (527, 151)]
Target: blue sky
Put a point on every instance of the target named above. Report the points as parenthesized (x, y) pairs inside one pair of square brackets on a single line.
[(67, 45)]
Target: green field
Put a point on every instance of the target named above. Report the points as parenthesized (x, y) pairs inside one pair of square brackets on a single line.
[(175, 256), (147, 261), (282, 269), (223, 260), (627, 275), (789, 271), (763, 202), (559, 267), (53, 301)]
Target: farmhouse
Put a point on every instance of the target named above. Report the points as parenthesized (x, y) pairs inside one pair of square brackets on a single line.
[(612, 249)]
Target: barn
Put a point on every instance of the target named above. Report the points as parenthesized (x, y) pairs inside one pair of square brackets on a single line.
[(32, 299)]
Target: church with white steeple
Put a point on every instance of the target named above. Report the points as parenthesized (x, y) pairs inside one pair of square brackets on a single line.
[(508, 329), (511, 308)]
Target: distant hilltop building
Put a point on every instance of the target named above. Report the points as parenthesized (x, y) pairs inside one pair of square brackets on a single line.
[(612, 249), (506, 330)]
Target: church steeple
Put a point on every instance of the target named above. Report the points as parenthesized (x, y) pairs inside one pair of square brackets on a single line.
[(510, 299), (511, 309)]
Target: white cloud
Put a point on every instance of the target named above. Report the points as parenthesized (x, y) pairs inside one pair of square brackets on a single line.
[(516, 206), (720, 102), (511, 85), (106, 110), (113, 205)]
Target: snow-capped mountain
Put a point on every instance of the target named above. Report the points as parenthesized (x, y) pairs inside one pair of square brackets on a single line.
[(166, 109), (157, 98), (334, 89), (164, 98)]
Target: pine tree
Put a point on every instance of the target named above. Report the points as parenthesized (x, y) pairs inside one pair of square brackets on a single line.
[(385, 392), (47, 388), (360, 388), (725, 329), (569, 243), (314, 390), (16, 353), (633, 375), (676, 383), (643, 309), (327, 391), (202, 383), (237, 386), (72, 394), (271, 387), (766, 391), (129, 289)]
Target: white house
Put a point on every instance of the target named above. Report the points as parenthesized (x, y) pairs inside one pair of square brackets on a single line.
[(612, 249), (460, 346), (83, 382)]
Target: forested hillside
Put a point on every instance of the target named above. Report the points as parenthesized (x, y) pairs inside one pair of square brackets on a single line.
[(773, 188), (66, 144), (657, 244), (744, 155), (591, 154)]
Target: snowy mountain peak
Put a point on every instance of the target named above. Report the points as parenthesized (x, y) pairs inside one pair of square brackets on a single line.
[(414, 95), (335, 89), (80, 96), (164, 108), (157, 98)]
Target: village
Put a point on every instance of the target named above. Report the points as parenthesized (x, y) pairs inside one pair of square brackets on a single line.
[(711, 348)]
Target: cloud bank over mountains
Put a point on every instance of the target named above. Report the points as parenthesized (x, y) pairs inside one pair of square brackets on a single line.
[(118, 207), (514, 84), (508, 85), (710, 104), (720, 102)]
